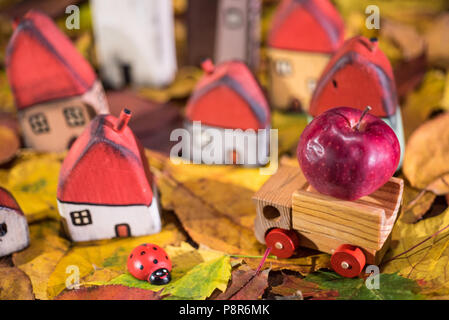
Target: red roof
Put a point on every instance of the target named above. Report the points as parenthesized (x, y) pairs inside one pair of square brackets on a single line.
[(306, 25), (106, 166), (359, 74), (229, 96), (42, 63), (8, 201)]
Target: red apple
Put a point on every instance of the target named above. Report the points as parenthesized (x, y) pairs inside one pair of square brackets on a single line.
[(347, 153)]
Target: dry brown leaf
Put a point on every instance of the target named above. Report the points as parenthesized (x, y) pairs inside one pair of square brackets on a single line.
[(15, 285), (308, 262), (245, 285), (293, 285), (215, 214), (9, 144), (38, 261), (437, 39), (420, 251), (109, 292), (426, 159), (405, 36), (415, 204)]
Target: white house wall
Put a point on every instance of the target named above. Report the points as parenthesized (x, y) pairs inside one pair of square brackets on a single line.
[(17, 235), (250, 154), (141, 219), (139, 33)]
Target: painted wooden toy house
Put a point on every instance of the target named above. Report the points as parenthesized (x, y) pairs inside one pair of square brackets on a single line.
[(224, 29), (105, 186), (304, 34), (229, 99), (135, 41), (360, 75), (55, 89), (238, 31), (14, 234)]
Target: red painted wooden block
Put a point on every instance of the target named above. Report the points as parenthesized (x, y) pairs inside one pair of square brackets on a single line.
[(303, 36), (360, 75), (55, 89), (229, 97), (14, 234), (105, 186)]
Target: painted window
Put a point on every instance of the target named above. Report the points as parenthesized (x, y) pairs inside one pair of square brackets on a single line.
[(81, 218), (3, 229), (311, 85), (283, 67), (234, 18), (39, 123), (74, 116)]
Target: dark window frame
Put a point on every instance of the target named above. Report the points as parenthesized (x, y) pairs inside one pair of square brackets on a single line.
[(81, 215), (38, 123), (74, 116), (3, 229)]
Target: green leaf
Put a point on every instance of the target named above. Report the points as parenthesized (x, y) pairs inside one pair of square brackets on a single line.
[(198, 283), (391, 287), (202, 280)]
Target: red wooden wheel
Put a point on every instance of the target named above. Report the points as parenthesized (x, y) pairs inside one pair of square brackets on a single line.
[(348, 261), (283, 243)]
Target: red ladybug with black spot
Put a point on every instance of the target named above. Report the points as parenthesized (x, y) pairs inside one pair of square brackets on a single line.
[(150, 262)]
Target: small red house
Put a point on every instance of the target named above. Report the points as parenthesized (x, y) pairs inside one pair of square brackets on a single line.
[(14, 233), (229, 97), (303, 36), (105, 185), (55, 89), (360, 75)]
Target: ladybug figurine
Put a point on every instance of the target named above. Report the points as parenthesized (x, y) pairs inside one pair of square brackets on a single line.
[(150, 262)]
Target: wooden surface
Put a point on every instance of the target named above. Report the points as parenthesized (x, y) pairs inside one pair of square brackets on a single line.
[(277, 192), (326, 222), (201, 26)]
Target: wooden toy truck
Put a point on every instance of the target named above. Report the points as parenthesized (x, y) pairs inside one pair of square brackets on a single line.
[(290, 213)]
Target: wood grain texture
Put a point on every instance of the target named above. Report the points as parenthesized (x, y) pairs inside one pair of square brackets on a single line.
[(276, 193), (366, 222), (201, 26)]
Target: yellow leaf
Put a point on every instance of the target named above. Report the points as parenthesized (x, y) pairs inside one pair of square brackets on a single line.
[(290, 126), (33, 181), (110, 254), (6, 97), (415, 204), (426, 156), (38, 261), (421, 103), (183, 257), (181, 87), (419, 252)]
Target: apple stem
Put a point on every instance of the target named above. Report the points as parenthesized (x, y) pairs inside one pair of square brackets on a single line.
[(367, 109)]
